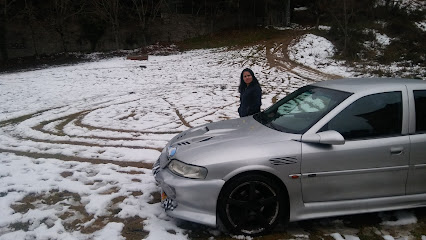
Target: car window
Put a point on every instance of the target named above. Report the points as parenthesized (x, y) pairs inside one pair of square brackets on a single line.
[(306, 102), (297, 112), (420, 104), (372, 116)]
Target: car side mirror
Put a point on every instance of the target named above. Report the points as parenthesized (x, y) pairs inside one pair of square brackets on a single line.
[(329, 137)]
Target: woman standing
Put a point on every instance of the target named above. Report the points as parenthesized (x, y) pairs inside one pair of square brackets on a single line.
[(250, 94)]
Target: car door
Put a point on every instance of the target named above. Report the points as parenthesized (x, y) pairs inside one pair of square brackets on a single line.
[(417, 175), (373, 162)]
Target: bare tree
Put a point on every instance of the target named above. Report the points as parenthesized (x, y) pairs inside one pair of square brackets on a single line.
[(287, 13), (60, 12), (346, 15), (277, 12), (30, 14), (338, 9), (319, 9), (5, 5), (109, 11), (147, 11)]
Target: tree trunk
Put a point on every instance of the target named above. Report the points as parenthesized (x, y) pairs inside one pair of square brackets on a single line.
[(3, 42), (345, 27), (62, 35), (287, 14), (30, 15)]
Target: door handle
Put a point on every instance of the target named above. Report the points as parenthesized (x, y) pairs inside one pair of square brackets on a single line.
[(397, 150)]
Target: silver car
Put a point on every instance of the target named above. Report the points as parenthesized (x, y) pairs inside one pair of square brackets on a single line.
[(331, 148)]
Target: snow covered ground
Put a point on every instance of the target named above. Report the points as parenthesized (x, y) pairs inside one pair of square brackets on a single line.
[(77, 142)]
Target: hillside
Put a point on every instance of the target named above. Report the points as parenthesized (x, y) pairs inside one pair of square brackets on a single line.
[(368, 35)]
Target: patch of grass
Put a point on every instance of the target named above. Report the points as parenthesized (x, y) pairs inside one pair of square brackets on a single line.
[(137, 193), (156, 198), (133, 228), (309, 226), (24, 226), (362, 220), (99, 223), (55, 196), (66, 174), (230, 38), (318, 235), (368, 233), (75, 218), (275, 236), (420, 229), (25, 204), (118, 199), (110, 191)]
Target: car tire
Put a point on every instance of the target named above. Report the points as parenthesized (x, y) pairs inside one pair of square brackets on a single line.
[(250, 205)]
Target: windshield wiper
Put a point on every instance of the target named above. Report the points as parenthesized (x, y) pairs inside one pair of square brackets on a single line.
[(271, 125), (259, 117)]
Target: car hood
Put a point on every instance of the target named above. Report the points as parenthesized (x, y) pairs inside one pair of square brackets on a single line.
[(229, 135)]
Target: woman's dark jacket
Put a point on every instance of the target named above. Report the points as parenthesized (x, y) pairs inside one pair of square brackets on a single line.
[(250, 100)]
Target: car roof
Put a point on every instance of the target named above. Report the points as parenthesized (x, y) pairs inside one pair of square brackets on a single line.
[(355, 85)]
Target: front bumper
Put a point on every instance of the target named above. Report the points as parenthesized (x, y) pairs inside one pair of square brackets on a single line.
[(193, 199)]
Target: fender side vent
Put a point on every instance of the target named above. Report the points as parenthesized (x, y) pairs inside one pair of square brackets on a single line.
[(183, 143), (283, 160), (205, 139)]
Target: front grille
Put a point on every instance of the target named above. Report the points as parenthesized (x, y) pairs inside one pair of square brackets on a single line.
[(156, 167)]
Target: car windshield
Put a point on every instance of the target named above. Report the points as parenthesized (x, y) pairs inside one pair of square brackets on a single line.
[(297, 112)]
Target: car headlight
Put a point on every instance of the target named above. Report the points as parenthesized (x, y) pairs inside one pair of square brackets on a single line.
[(186, 170)]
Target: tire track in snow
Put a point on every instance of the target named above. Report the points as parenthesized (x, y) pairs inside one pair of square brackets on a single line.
[(77, 159), (181, 118), (43, 136)]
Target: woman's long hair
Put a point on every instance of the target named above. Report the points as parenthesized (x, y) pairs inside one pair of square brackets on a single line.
[(243, 84)]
